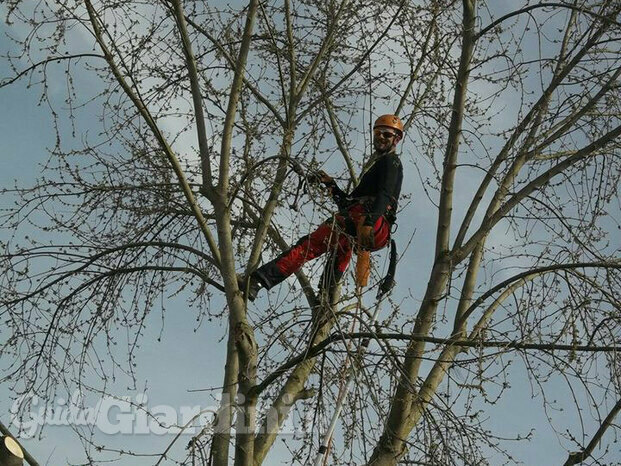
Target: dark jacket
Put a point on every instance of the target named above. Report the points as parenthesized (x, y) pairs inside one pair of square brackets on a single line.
[(379, 188)]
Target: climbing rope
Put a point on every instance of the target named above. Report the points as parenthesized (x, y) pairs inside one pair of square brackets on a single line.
[(384, 287), (345, 382)]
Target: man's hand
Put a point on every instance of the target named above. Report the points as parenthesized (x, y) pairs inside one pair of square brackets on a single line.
[(366, 237), (324, 178)]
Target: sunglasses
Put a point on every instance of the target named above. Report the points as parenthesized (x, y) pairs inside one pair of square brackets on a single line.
[(384, 133)]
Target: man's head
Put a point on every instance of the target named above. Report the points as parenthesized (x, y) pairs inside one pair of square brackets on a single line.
[(387, 132)]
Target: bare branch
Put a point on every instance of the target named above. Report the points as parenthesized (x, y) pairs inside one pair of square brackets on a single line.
[(526, 9), (56, 59), (538, 182), (187, 190), (197, 100), (580, 456), (529, 274)]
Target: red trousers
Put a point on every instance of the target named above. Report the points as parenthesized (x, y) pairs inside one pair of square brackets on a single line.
[(336, 236)]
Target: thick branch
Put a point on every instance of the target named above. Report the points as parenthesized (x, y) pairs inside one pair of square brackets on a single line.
[(391, 446), (291, 50), (580, 456), (454, 133), (197, 100), (236, 87), (288, 394)]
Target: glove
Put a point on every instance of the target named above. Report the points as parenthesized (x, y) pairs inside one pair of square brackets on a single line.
[(324, 178), (366, 237)]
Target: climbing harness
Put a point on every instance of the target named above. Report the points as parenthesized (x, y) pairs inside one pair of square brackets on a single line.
[(384, 287)]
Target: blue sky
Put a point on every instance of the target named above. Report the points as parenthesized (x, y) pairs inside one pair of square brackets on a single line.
[(187, 359)]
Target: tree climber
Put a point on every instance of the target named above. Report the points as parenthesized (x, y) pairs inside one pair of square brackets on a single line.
[(365, 216)]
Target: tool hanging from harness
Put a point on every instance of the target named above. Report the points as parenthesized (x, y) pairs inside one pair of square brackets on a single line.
[(388, 282)]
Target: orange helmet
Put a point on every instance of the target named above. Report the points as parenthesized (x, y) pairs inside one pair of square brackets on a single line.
[(390, 121)]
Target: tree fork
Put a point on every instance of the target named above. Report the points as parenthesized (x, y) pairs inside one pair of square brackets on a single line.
[(236, 362)]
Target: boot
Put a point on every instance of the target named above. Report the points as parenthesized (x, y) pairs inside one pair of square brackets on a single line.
[(249, 287)]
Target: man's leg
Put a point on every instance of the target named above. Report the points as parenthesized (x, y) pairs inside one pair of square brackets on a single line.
[(339, 259), (307, 248), (328, 234)]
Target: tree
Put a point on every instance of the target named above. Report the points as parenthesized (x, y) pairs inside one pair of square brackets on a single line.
[(182, 143)]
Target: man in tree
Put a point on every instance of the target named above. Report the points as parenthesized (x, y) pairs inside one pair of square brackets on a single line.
[(364, 219)]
